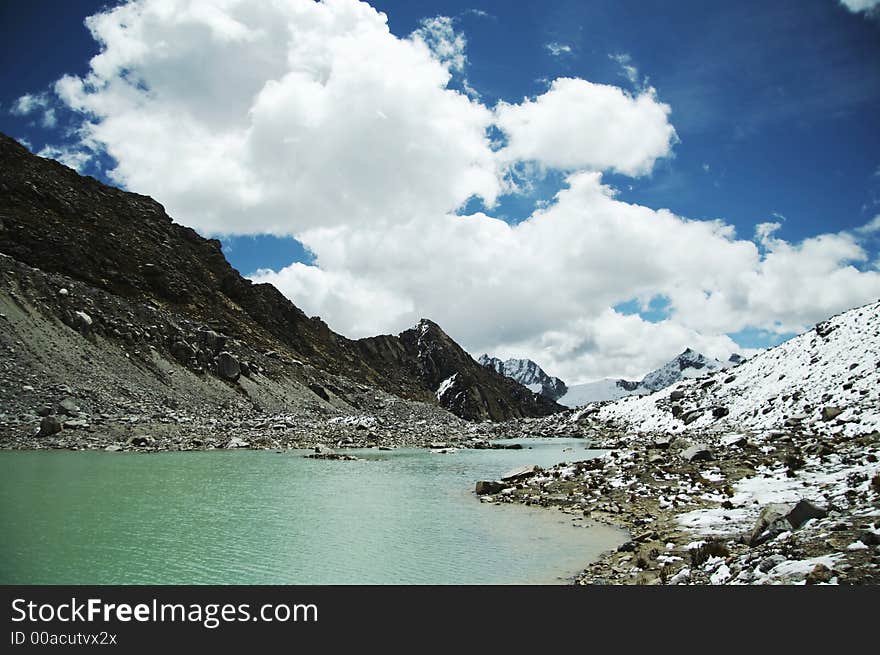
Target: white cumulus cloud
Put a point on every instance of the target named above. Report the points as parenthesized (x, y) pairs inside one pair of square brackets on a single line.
[(860, 5), (313, 119), (581, 125)]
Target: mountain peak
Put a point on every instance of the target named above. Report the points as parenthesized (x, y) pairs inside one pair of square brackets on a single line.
[(528, 374)]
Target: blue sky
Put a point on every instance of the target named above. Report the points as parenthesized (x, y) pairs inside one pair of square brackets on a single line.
[(775, 106)]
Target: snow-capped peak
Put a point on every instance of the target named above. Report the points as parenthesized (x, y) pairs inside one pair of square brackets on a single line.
[(528, 374)]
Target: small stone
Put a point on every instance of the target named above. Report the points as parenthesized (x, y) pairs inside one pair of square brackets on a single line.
[(820, 574), (770, 562)]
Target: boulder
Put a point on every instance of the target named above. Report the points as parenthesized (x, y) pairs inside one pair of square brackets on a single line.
[(663, 442), (777, 518), (691, 416), (770, 562), (696, 453), (720, 412), (213, 341), (141, 441), (321, 449), (520, 473), (820, 574), (68, 407), (830, 413), (228, 366), (48, 426), (182, 351), (486, 487), (678, 394), (236, 442), (83, 322)]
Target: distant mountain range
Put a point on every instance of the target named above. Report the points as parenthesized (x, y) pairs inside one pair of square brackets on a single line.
[(688, 364)]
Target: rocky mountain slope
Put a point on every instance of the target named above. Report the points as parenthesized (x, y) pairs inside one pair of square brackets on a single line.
[(528, 374), (110, 268), (688, 364), (824, 380)]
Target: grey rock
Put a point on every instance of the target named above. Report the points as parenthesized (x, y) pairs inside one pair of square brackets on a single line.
[(48, 426), (236, 442), (820, 574), (696, 453), (720, 412), (776, 518), (321, 449), (68, 407), (829, 413), (769, 562), (663, 442), (45, 410), (83, 322), (520, 473), (691, 416), (678, 394), (213, 341), (182, 351), (228, 366)]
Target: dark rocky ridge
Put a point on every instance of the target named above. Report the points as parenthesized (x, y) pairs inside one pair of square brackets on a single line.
[(125, 245)]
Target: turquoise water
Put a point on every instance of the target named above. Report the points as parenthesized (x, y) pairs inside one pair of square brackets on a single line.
[(259, 517)]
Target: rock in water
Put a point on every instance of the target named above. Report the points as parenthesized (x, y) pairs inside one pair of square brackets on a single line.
[(48, 426), (485, 487), (228, 366)]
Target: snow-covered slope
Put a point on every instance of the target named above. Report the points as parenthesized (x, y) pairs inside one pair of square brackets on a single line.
[(825, 380), (528, 374), (600, 390), (689, 364)]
